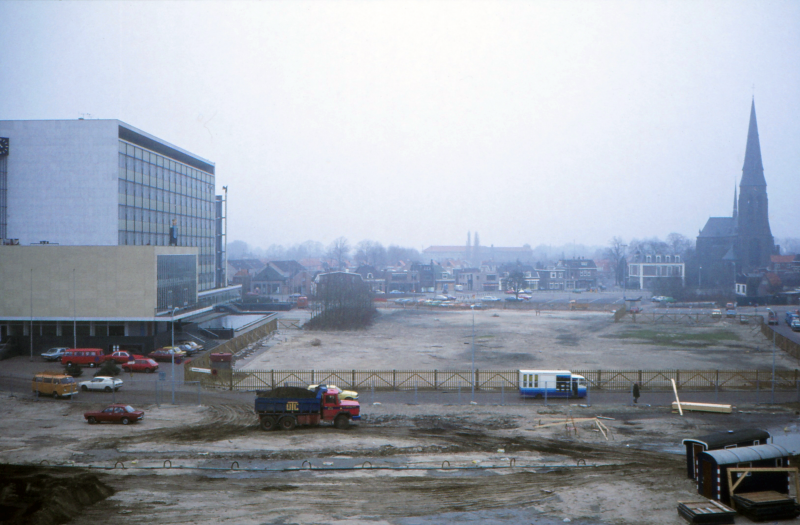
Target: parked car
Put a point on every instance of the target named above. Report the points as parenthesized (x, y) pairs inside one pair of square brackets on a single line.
[(120, 357), (166, 354), (140, 365), (789, 317), (117, 413), (54, 384), (101, 383), (772, 317), (396, 292), (489, 299), (190, 347), (343, 394), (795, 326), (716, 313), (54, 354), (514, 299)]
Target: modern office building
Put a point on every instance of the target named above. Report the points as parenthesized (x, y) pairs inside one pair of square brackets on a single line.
[(101, 224)]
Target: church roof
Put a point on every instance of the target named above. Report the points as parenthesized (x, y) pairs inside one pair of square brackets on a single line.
[(753, 169), (719, 227)]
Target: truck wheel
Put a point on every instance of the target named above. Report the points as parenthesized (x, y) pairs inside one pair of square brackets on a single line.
[(341, 422), (287, 423), (267, 423)]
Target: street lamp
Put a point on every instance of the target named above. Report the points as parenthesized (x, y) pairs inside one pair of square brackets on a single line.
[(473, 352), (172, 353), (769, 311)]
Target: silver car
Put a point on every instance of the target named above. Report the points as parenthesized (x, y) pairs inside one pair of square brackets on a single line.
[(54, 354)]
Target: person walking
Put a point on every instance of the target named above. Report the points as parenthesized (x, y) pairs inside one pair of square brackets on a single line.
[(636, 393)]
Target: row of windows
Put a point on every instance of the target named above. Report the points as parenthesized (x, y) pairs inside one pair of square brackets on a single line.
[(148, 158), (667, 258), (201, 227), (141, 196)]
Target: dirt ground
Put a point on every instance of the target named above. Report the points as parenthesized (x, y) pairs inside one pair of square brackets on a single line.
[(402, 464), (414, 339), (636, 476)]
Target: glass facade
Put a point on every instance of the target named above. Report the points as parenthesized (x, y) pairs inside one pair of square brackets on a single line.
[(176, 286), (154, 190), (3, 197)]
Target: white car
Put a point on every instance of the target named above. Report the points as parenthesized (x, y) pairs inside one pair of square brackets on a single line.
[(101, 383), (54, 354), (489, 299)]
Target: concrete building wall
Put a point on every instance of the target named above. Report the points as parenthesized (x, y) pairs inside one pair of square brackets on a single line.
[(108, 282), (62, 181)]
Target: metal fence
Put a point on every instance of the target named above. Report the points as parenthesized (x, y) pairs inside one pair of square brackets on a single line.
[(432, 380)]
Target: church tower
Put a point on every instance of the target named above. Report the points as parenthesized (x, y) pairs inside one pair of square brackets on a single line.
[(754, 241)]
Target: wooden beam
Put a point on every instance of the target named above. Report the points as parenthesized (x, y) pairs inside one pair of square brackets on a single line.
[(677, 400), (732, 486)]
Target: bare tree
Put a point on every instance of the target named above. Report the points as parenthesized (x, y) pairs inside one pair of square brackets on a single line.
[(615, 254), (338, 251), (678, 243), (516, 281), (371, 252)]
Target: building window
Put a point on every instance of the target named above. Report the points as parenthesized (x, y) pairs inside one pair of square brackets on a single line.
[(667, 258), (649, 258), (658, 258), (677, 258)]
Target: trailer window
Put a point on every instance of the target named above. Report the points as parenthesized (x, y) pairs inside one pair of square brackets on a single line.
[(536, 381)]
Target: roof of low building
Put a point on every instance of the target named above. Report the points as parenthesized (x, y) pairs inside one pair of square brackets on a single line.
[(723, 439)]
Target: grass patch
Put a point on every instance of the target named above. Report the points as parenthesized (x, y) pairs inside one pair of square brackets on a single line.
[(661, 338)]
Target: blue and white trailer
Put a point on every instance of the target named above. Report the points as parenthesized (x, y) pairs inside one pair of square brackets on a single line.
[(553, 383)]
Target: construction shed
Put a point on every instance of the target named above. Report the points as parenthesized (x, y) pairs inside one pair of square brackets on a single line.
[(713, 465), (745, 437)]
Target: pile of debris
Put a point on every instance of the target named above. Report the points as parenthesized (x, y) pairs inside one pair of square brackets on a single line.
[(766, 506)]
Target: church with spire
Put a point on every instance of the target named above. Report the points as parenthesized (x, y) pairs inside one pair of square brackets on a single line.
[(742, 243)]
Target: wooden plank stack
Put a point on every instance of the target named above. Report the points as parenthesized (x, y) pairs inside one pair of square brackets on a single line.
[(766, 506), (706, 511)]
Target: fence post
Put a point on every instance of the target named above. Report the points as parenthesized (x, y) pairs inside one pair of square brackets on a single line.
[(678, 378), (435, 377), (502, 394), (394, 379), (599, 379), (273, 378), (477, 381)]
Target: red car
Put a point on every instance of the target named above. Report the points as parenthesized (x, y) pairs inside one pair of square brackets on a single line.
[(122, 357), (140, 365), (116, 414)]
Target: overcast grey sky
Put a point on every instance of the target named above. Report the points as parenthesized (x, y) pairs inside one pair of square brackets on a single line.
[(414, 122)]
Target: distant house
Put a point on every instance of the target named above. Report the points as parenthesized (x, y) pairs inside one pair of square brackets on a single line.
[(243, 267), (483, 279), (374, 278), (552, 278), (648, 268), (579, 273), (757, 288), (282, 278)]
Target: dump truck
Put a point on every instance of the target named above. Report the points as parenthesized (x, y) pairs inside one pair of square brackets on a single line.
[(287, 407)]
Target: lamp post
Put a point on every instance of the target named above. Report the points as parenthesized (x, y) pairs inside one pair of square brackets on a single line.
[(473, 353), (624, 277), (172, 353), (769, 310)]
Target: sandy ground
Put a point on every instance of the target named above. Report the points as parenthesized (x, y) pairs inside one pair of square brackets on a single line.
[(506, 339), (636, 476)]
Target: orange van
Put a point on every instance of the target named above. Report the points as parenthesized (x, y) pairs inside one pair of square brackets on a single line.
[(90, 357), (56, 384)]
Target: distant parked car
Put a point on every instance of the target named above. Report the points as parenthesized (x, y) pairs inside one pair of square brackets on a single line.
[(120, 357), (101, 383), (795, 326), (716, 313), (343, 394), (489, 299), (166, 354), (514, 299), (772, 317), (115, 414), (789, 317), (140, 365), (54, 354)]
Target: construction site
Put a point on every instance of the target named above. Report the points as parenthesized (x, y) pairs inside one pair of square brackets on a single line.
[(442, 456)]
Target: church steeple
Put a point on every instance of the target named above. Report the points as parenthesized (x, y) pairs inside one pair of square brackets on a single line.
[(753, 169), (735, 203)]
